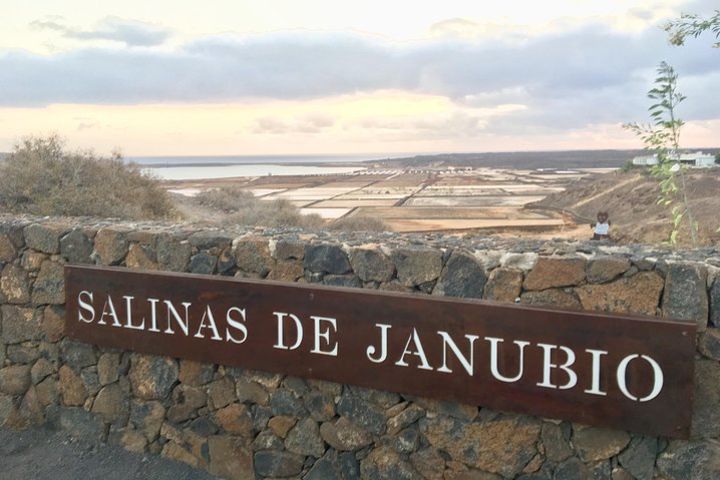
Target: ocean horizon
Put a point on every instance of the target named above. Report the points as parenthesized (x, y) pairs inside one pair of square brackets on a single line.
[(215, 171), (168, 161)]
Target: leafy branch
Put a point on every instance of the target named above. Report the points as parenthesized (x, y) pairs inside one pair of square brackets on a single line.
[(662, 137), (693, 25)]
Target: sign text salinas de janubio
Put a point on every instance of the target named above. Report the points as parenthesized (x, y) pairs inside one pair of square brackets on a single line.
[(619, 371)]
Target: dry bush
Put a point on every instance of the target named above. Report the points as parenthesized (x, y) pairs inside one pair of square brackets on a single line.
[(40, 177), (226, 199), (359, 223), (242, 208)]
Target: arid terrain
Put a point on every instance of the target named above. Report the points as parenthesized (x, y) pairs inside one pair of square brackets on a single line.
[(630, 198)]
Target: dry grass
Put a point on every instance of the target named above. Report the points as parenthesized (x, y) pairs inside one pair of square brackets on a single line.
[(631, 200), (41, 177), (233, 205), (242, 208)]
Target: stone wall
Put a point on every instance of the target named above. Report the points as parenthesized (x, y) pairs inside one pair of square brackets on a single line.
[(247, 424)]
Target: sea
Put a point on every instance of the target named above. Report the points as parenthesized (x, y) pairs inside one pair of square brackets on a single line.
[(212, 167)]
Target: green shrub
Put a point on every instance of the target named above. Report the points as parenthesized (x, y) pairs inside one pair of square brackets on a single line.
[(628, 167), (41, 177)]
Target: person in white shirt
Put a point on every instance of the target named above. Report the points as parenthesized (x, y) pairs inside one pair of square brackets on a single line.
[(601, 227)]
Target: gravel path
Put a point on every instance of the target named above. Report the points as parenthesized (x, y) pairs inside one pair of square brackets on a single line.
[(41, 454)]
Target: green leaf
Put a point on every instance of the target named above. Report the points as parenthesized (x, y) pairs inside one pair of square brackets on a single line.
[(677, 220)]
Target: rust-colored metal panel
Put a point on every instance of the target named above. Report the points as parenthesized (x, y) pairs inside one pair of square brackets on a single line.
[(628, 372)]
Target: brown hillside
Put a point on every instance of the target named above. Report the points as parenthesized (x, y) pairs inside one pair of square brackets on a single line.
[(631, 200)]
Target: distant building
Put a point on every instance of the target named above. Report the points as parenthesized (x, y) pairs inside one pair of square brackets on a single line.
[(645, 161), (692, 160), (698, 160)]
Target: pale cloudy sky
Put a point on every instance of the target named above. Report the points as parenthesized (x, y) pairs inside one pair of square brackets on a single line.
[(327, 76)]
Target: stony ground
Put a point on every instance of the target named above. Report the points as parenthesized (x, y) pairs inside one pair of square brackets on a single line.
[(630, 198), (41, 454)]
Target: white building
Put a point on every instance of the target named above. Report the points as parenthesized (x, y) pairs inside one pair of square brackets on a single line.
[(692, 160), (698, 160), (645, 160)]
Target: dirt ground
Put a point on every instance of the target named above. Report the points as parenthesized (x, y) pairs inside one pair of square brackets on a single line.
[(630, 198), (41, 454)]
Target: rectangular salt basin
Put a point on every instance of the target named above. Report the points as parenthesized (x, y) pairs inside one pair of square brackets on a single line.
[(318, 192), (418, 225), (261, 192), (309, 198), (470, 192), (188, 192), (353, 185), (326, 213), (360, 197), (478, 201), (344, 203), (459, 213)]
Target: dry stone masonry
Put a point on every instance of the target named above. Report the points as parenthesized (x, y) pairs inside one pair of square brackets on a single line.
[(241, 424)]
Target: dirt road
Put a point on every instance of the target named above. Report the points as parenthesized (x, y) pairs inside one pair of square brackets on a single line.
[(41, 454)]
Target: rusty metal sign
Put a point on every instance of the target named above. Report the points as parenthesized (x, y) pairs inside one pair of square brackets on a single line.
[(627, 372)]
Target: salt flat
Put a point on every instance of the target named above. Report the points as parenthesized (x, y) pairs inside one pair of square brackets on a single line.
[(353, 203), (419, 200), (477, 201), (417, 225)]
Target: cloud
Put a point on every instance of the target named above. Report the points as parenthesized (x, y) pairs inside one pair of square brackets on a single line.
[(570, 79), (308, 124), (464, 28), (86, 126), (269, 125), (460, 123), (50, 22), (132, 33)]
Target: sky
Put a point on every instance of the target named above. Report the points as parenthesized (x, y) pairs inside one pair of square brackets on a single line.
[(236, 77)]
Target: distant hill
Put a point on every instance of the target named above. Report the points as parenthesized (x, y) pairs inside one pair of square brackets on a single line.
[(559, 159)]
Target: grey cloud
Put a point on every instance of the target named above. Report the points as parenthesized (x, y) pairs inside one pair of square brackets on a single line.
[(319, 121), (86, 126), (458, 124), (270, 125), (51, 22), (308, 124), (133, 33), (456, 26), (642, 13), (579, 77), (453, 126)]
